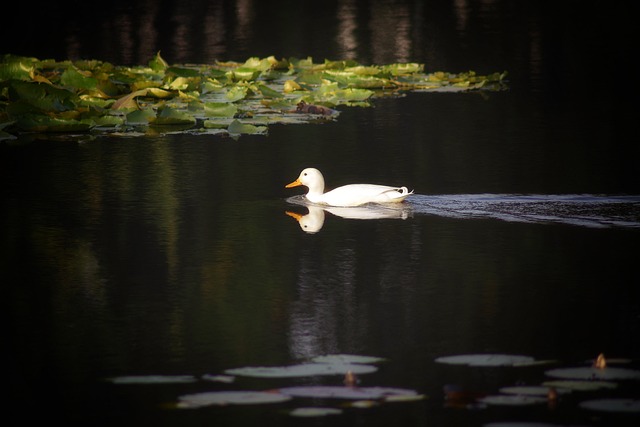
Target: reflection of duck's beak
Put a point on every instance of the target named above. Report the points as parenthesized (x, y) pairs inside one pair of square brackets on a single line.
[(311, 222), (297, 216)]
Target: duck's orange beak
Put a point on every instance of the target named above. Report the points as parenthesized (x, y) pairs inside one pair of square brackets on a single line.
[(297, 216), (293, 184)]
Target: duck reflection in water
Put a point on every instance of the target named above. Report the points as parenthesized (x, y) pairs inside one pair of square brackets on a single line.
[(313, 221)]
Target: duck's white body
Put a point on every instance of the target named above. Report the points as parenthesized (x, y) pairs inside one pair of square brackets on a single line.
[(347, 195)]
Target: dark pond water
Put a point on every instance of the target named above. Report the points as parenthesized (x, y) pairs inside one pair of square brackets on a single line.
[(174, 255)]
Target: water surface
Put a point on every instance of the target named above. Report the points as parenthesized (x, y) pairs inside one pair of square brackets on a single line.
[(174, 255)]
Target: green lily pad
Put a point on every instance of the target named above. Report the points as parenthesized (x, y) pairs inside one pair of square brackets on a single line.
[(223, 398), (72, 77), (302, 370), (171, 116), (220, 109), (66, 90), (237, 127)]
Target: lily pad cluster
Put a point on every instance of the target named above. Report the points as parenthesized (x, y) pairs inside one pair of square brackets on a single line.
[(597, 377), (70, 97), (346, 365)]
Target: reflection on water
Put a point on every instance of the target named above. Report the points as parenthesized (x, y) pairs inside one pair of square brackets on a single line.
[(313, 221), (579, 210)]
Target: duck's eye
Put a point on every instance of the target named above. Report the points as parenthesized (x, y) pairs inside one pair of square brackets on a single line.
[(305, 174)]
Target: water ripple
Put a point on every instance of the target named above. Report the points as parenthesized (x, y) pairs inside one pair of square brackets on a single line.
[(586, 210)]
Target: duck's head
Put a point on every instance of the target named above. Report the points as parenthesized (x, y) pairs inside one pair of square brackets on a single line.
[(311, 178)]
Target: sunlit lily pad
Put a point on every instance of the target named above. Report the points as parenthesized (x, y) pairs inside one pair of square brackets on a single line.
[(589, 373), (153, 379), (314, 412), (347, 358), (302, 370), (223, 398), (338, 392), (512, 400), (43, 96), (612, 405), (236, 127), (487, 360), (580, 385)]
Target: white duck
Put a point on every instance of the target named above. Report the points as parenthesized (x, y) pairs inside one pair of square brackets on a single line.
[(347, 195)]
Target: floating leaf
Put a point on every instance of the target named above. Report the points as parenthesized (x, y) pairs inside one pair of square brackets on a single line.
[(612, 405), (74, 78), (220, 109), (236, 127), (302, 370), (153, 379), (487, 360), (141, 117), (590, 373), (314, 412), (32, 88), (41, 123), (198, 400), (171, 116), (339, 392), (236, 93), (129, 101), (158, 63), (16, 68)]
